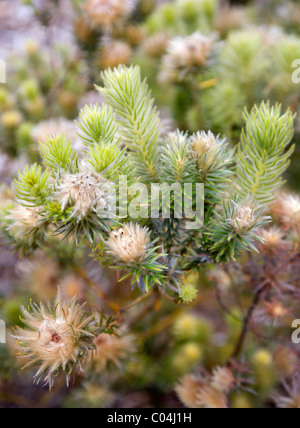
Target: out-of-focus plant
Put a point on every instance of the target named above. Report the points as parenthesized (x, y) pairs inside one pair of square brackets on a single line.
[(210, 83), (72, 197)]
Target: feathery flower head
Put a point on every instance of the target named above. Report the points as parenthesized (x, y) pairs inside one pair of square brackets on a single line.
[(209, 150), (186, 54), (206, 391), (188, 388), (114, 53), (241, 220), (111, 348), (287, 208), (26, 221), (156, 45), (93, 395), (108, 13), (86, 191), (56, 338), (292, 398), (244, 217), (273, 241), (40, 275), (275, 310), (210, 398), (222, 379), (129, 244)]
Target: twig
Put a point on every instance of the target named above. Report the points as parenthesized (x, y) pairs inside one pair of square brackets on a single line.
[(152, 302), (112, 305), (247, 321), (136, 302), (223, 306)]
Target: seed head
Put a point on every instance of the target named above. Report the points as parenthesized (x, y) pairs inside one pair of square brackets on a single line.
[(108, 13), (129, 244), (26, 221), (114, 53), (186, 54), (111, 349), (56, 338), (86, 192), (222, 379)]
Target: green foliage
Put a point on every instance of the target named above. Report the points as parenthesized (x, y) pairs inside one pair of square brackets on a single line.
[(183, 16), (33, 186), (264, 152), (139, 120), (224, 104), (235, 228), (214, 160), (176, 164), (145, 274), (244, 58), (58, 155), (125, 139), (97, 125)]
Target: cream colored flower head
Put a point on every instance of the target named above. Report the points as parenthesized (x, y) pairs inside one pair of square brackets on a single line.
[(108, 13), (129, 244), (208, 149), (156, 45), (184, 54), (244, 217), (55, 339), (222, 379), (111, 348), (114, 53), (25, 220), (87, 192), (291, 398), (273, 241), (206, 391), (287, 208)]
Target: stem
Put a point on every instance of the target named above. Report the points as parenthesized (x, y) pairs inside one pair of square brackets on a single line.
[(135, 302), (223, 306), (112, 305), (247, 321), (152, 302)]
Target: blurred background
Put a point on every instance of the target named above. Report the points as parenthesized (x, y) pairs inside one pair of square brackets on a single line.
[(54, 52)]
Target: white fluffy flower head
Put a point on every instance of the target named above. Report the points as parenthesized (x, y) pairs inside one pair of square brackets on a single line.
[(108, 13), (55, 338), (244, 218), (184, 54), (129, 244), (87, 192), (25, 220)]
